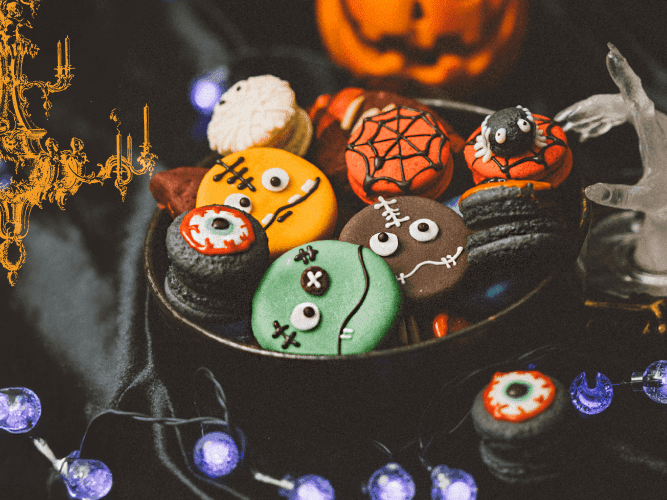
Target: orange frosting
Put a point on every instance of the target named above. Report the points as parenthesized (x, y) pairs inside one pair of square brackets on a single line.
[(551, 164)]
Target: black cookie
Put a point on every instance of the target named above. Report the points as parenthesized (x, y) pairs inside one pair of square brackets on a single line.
[(218, 255), (522, 419)]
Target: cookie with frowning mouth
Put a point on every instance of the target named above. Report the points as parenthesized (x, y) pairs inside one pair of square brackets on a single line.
[(289, 196), (423, 241)]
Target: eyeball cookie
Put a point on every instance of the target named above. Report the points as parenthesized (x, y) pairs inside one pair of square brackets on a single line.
[(217, 257), (292, 199), (399, 151), (259, 112), (522, 419), (326, 298), (515, 144), (422, 240)]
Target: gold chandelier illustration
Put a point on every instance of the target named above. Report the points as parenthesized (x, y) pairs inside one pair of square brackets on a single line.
[(43, 170)]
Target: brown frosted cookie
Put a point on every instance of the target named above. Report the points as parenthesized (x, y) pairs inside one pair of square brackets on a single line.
[(422, 240)]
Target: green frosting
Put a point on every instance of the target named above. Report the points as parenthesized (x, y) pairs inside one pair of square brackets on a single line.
[(367, 308)]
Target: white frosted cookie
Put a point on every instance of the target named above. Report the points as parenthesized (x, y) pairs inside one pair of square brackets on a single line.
[(259, 112)]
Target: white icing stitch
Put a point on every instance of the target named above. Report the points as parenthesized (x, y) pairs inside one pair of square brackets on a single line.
[(449, 261), (347, 333), (308, 186), (350, 112), (391, 214), (313, 279), (294, 199), (267, 218)]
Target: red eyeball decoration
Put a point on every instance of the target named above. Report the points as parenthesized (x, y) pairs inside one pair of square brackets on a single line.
[(518, 396), (215, 230)]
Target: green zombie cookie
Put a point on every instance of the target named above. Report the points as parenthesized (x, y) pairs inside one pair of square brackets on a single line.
[(326, 298)]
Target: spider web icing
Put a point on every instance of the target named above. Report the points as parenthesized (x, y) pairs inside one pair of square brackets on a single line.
[(399, 136)]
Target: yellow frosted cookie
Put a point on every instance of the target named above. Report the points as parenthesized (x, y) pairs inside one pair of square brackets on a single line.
[(290, 196)]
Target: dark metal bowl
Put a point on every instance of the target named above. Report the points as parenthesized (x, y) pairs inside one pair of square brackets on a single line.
[(350, 395)]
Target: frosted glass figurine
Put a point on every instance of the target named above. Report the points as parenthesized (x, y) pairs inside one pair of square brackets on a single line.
[(626, 253)]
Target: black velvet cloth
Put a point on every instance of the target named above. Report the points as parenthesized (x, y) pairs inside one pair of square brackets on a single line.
[(79, 327)]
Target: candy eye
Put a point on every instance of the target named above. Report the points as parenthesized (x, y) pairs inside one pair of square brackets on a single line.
[(305, 316), (523, 125), (240, 201), (518, 396), (501, 135), (384, 244), (275, 179), (424, 230), (217, 230)]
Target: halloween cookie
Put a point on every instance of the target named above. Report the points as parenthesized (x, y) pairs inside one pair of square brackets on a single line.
[(326, 298), (176, 189), (400, 151), (521, 417), (259, 112), (336, 116), (217, 256), (515, 144), (292, 199), (518, 224), (423, 241)]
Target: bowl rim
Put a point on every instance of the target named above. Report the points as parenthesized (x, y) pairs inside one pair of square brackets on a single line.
[(157, 288)]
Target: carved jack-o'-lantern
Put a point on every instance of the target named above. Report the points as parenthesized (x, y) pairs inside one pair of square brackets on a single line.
[(459, 45)]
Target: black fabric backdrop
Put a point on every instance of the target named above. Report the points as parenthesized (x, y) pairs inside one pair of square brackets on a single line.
[(78, 326)]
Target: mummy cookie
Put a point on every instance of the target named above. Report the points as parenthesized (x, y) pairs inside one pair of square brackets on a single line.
[(400, 151), (422, 240), (259, 112), (217, 256), (326, 298), (515, 144), (522, 419), (292, 199)]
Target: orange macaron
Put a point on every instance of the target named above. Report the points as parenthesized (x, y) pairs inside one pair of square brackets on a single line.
[(515, 144)]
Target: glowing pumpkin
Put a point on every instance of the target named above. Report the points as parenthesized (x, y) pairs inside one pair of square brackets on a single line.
[(459, 45)]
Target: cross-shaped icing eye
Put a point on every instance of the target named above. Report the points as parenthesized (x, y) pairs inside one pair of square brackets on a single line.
[(523, 125), (305, 316), (275, 179), (501, 135), (315, 280), (384, 244), (240, 201), (424, 230)]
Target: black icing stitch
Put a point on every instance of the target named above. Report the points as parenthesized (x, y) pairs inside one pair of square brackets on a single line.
[(284, 216), (361, 301), (280, 332), (285, 207), (235, 176), (378, 161), (538, 155), (304, 255)]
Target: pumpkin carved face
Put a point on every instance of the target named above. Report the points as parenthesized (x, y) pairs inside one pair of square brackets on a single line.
[(460, 45)]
